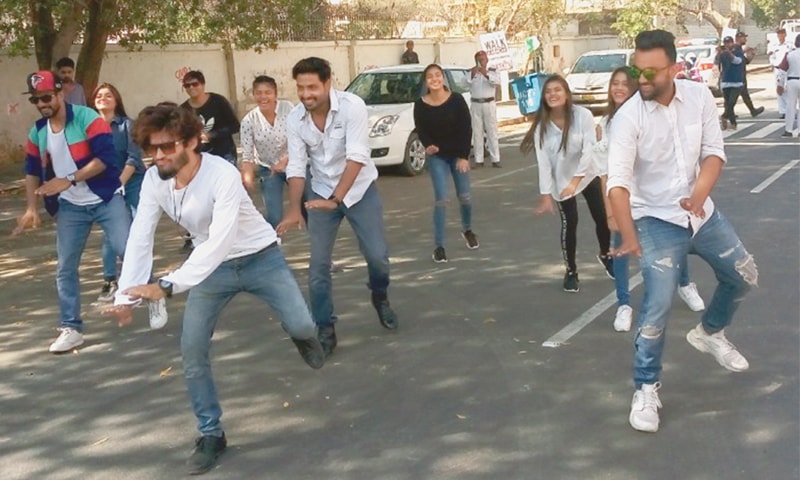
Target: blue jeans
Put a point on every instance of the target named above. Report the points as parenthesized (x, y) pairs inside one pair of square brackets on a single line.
[(264, 274), (664, 246), (73, 224), (441, 168), (621, 274), (132, 189), (272, 186), (366, 220)]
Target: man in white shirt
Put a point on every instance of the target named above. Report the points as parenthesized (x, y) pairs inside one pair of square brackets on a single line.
[(665, 156), (792, 90), (328, 131), (776, 52), (236, 251), (482, 82)]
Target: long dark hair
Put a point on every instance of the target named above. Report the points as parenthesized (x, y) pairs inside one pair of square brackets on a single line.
[(119, 110), (633, 86), (430, 67), (543, 116)]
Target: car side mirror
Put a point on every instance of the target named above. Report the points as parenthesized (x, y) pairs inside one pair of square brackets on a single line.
[(566, 71)]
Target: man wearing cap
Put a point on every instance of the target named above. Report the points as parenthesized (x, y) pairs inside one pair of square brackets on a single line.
[(777, 52), (70, 161), (482, 82), (731, 81), (741, 50)]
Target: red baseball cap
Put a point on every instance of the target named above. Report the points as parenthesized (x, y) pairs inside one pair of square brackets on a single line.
[(42, 81)]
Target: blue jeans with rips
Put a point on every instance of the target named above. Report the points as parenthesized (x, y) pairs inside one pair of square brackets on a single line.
[(73, 224), (272, 187), (441, 168), (366, 220), (621, 276), (664, 248), (264, 274)]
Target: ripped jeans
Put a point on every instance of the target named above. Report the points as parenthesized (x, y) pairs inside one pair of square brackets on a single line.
[(440, 169), (664, 249)]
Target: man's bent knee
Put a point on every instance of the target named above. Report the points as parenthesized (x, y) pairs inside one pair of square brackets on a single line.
[(650, 332)]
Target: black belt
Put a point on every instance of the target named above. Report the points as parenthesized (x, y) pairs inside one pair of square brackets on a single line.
[(792, 78), (483, 100)]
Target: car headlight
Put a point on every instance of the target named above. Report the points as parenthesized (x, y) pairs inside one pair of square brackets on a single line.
[(383, 126)]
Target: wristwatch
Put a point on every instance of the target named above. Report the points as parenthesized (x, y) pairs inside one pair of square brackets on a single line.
[(71, 178), (166, 286)]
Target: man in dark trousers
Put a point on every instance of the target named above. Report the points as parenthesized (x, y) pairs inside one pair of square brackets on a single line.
[(741, 50)]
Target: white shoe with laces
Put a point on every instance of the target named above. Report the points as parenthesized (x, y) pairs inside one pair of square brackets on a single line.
[(719, 347), (644, 408), (158, 313), (691, 297), (68, 339), (623, 319)]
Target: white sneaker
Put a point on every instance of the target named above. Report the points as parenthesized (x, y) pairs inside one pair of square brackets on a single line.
[(691, 298), (644, 408), (108, 291), (158, 313), (623, 319), (68, 339), (717, 345)]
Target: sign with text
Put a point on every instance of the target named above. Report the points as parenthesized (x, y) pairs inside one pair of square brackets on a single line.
[(497, 50)]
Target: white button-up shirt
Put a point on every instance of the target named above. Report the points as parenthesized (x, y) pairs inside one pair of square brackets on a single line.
[(794, 66), (655, 151), (346, 137), (264, 143), (482, 87)]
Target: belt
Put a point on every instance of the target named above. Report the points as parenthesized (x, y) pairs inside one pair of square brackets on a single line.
[(482, 100), (792, 78)]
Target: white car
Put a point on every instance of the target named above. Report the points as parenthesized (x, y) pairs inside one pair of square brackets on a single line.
[(389, 93), (588, 78), (702, 58)]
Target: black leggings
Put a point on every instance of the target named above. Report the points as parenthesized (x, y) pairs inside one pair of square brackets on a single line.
[(730, 95), (593, 193)]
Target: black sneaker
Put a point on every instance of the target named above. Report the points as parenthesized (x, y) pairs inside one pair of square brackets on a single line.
[(108, 291), (471, 239), (206, 451), (478, 165), (327, 339), (571, 282), (311, 351), (439, 256), (496, 165), (188, 246), (756, 112), (786, 134), (386, 315), (607, 261)]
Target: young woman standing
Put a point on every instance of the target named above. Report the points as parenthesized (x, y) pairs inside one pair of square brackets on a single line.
[(444, 127), (563, 137)]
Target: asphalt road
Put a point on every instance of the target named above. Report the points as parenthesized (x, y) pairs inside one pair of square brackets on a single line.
[(464, 390)]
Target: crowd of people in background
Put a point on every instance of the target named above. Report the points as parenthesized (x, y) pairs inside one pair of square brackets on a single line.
[(646, 183)]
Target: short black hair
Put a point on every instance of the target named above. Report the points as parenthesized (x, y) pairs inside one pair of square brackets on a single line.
[(65, 62), (797, 40), (265, 79), (653, 39), (316, 65), (194, 75), (180, 122)]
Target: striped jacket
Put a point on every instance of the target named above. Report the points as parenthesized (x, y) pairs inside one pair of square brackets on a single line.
[(88, 137)]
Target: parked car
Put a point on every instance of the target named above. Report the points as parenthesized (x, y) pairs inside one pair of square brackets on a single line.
[(702, 58), (588, 78), (389, 93)]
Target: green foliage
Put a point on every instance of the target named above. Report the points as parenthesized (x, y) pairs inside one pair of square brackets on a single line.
[(640, 15), (769, 13)]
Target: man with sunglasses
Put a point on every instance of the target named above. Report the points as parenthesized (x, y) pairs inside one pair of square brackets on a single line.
[(665, 155), (70, 161), (237, 251), (216, 113)]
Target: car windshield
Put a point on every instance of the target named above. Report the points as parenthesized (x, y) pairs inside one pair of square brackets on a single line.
[(603, 63), (699, 52), (382, 88)]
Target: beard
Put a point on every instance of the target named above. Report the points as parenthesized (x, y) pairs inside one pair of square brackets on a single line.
[(170, 171)]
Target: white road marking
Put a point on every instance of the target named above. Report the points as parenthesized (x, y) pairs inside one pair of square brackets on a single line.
[(764, 132), (588, 316), (775, 143), (766, 183)]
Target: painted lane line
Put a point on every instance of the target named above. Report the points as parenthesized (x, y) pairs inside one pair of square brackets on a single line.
[(775, 143), (764, 131), (588, 316), (766, 183), (505, 174)]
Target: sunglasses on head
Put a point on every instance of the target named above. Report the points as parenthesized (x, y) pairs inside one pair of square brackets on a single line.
[(167, 148), (190, 84), (42, 98), (648, 73)]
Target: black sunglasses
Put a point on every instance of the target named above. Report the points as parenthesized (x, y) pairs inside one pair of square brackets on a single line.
[(167, 148), (44, 99), (190, 84)]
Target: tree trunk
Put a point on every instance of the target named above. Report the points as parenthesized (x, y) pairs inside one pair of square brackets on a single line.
[(68, 31), (90, 59), (43, 33)]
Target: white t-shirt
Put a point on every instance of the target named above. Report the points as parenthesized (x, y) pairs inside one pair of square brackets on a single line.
[(63, 165), (214, 207)]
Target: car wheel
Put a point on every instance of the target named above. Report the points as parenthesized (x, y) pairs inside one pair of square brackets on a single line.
[(414, 160)]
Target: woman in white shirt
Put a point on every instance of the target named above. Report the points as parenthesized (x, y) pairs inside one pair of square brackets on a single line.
[(563, 137), (622, 87), (264, 146)]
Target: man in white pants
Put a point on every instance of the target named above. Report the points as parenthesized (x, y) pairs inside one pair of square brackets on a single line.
[(791, 90), (776, 52), (482, 83)]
